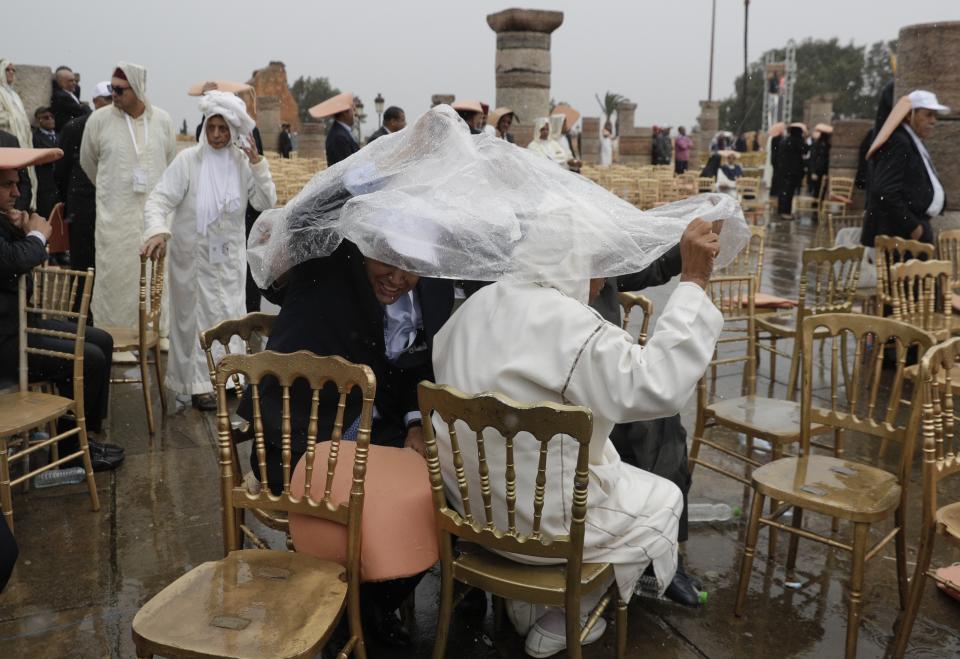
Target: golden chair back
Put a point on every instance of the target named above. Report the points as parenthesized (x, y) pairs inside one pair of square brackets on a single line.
[(151, 292), (630, 300), (921, 294), (542, 423), (706, 184), (864, 401), (837, 221), (318, 372), (734, 296), (250, 326), (828, 280), (748, 188), (948, 249), (891, 250), (749, 261)]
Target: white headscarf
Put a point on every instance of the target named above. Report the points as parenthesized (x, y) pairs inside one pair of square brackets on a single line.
[(137, 77), (549, 148), (218, 192)]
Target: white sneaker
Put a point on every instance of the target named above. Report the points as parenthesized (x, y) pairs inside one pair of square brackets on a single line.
[(523, 615), (542, 643)]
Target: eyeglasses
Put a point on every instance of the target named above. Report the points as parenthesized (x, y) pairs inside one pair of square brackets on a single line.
[(118, 91)]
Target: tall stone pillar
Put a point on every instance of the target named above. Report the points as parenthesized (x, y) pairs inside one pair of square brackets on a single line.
[(927, 57), (440, 99), (312, 140), (709, 121), (268, 121), (818, 110), (33, 84), (845, 151), (590, 140), (523, 64), (626, 113)]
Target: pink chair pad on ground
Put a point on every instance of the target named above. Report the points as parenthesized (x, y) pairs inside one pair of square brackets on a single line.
[(399, 538)]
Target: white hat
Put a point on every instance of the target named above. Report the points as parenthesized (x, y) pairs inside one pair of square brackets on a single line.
[(102, 89), (920, 98)]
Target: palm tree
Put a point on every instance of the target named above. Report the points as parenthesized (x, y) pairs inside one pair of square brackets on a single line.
[(609, 104)]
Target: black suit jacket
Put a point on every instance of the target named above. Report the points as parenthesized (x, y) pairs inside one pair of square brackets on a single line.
[(329, 309), (900, 191), (340, 144), (380, 132), (47, 195), (19, 254), (73, 186), (9, 140), (284, 143), (65, 107)]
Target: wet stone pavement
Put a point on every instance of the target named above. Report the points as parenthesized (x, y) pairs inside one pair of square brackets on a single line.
[(83, 575)]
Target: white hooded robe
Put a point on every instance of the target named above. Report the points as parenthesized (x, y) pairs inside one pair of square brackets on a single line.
[(14, 120), (533, 343), (109, 158)]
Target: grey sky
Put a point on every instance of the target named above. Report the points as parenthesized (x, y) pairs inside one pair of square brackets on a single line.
[(655, 53)]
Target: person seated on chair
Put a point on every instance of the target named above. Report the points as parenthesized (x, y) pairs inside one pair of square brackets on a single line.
[(540, 341), (367, 312), (729, 172), (23, 239)]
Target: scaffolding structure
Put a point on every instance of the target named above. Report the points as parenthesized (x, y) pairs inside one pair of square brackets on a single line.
[(779, 107)]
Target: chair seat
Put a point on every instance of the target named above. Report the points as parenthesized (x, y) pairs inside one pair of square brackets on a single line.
[(128, 338), (23, 410), (253, 603), (767, 418), (829, 485), (948, 520), (542, 584)]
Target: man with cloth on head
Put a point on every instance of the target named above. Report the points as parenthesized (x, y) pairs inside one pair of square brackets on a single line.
[(207, 188), (126, 148), (340, 144)]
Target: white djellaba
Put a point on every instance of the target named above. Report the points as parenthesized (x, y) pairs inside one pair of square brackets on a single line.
[(207, 191)]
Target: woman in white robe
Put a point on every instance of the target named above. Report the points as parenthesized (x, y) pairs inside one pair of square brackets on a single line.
[(544, 144), (207, 188), (124, 155), (13, 117), (541, 342), (606, 145)]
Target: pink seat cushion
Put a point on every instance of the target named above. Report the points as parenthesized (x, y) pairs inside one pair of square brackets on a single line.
[(399, 538)]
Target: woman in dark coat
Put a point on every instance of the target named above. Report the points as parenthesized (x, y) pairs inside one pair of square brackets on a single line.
[(790, 158)]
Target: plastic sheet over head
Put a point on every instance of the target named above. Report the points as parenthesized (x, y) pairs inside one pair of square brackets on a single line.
[(439, 202)]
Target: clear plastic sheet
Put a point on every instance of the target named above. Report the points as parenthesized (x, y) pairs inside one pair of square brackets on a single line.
[(437, 201)]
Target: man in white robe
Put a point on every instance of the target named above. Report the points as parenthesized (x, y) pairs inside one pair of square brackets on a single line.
[(126, 148), (541, 342)]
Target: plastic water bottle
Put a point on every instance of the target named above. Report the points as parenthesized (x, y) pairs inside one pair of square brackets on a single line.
[(711, 512), (55, 477)]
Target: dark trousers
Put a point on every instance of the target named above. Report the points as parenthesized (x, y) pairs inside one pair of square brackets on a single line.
[(8, 553), (97, 361), (785, 198), (252, 292), (660, 447), (680, 166)]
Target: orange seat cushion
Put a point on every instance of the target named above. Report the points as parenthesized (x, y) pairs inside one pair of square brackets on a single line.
[(399, 538)]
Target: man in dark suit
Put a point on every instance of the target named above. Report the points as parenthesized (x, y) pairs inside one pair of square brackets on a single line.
[(285, 141), (905, 190), (78, 194), (340, 144), (23, 240), (394, 119), (65, 99), (44, 137), (25, 188)]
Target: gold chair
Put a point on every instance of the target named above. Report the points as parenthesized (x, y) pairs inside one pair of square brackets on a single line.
[(948, 249), (250, 327), (145, 338), (922, 298), (630, 300), (807, 204), (559, 585), (828, 284), (839, 195), (941, 460), (890, 250), (261, 602), (856, 492), (748, 192), (837, 221), (54, 297), (648, 193), (706, 184)]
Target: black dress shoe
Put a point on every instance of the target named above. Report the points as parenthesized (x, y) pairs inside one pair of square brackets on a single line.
[(685, 589), (473, 605), (204, 402), (111, 449), (389, 630), (100, 459)]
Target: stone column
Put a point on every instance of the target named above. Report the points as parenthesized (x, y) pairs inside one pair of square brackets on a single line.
[(818, 110), (590, 140), (927, 59), (268, 121), (626, 112), (523, 64), (845, 151), (440, 99), (709, 121), (33, 84), (636, 146), (312, 141)]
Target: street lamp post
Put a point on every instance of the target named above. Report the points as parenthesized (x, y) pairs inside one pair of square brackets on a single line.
[(743, 100), (378, 104), (359, 118)]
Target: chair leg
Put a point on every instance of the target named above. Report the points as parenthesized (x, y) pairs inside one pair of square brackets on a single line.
[(901, 556), (158, 366), (794, 538), (860, 531), (87, 463), (907, 618), (572, 613), (6, 497), (621, 628), (776, 452), (145, 383), (773, 359), (446, 609), (794, 369), (749, 547)]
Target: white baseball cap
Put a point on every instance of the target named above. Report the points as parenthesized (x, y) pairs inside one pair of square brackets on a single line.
[(920, 98), (102, 89)]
